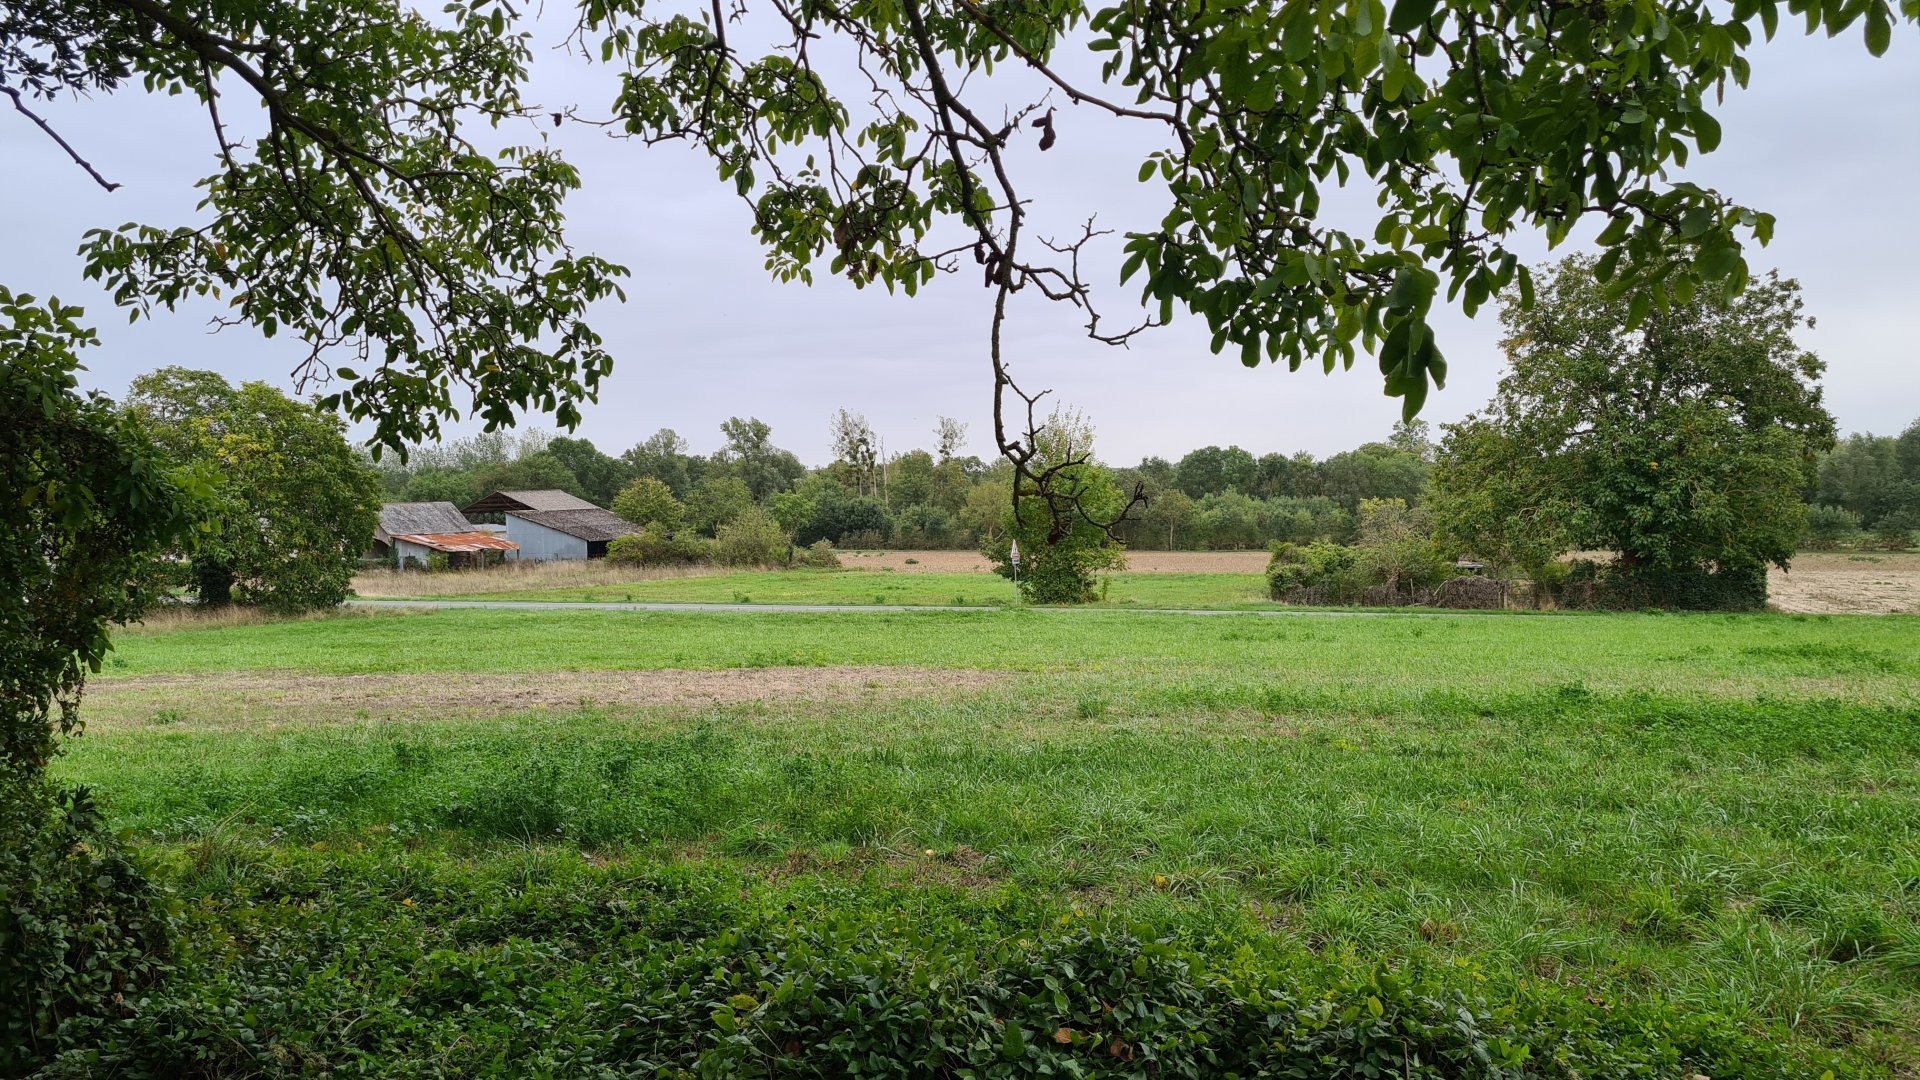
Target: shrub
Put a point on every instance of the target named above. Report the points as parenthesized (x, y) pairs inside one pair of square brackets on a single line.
[(1319, 573), (79, 929), (1613, 587), (658, 547), (923, 527), (712, 982), (816, 556), (1830, 528), (1895, 531), (752, 539)]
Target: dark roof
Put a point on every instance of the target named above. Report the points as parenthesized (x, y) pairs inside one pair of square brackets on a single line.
[(592, 523), (421, 517), (502, 501)]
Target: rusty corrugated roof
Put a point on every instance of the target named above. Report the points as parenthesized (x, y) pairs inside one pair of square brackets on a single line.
[(462, 541)]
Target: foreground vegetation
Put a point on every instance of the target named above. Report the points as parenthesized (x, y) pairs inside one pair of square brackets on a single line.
[(1144, 845)]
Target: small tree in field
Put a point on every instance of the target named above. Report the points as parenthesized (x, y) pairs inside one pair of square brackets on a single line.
[(1678, 437), (1061, 556)]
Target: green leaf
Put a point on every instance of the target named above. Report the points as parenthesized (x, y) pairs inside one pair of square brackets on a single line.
[(1706, 132), (1879, 28), (1409, 15), (1014, 1042)]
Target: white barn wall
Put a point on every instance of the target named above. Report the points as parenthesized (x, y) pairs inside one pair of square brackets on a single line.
[(404, 550), (542, 544)]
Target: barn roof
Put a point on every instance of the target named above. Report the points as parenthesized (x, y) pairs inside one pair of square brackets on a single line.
[(592, 523), (460, 541), (548, 499), (420, 517)]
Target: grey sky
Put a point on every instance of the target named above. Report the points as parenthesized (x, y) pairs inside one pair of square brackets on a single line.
[(1826, 138)]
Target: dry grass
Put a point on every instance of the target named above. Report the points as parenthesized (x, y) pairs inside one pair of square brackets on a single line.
[(514, 576), (171, 617), (259, 700), (1854, 583)]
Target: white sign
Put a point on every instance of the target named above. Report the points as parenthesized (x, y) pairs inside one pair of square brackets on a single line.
[(1013, 554)]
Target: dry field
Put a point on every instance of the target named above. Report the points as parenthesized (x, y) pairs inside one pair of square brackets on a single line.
[(1842, 583)]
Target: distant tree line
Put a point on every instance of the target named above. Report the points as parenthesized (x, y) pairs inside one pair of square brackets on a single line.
[(930, 498), (1867, 491)]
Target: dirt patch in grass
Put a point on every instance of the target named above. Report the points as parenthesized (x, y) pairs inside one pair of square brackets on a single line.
[(254, 697), (1138, 562)]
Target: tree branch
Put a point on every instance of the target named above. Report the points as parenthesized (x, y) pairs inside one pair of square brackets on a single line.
[(21, 107)]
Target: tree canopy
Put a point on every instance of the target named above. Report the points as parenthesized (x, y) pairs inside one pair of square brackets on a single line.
[(1681, 442), (291, 505)]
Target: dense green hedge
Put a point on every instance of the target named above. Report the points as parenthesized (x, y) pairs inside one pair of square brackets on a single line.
[(390, 963), (1611, 587)]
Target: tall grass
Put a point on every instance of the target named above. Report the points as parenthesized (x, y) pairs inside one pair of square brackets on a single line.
[(514, 576)]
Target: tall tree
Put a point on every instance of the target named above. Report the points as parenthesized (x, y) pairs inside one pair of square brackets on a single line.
[(663, 456), (600, 477), (949, 437), (855, 444), (294, 506), (1679, 440), (750, 455)]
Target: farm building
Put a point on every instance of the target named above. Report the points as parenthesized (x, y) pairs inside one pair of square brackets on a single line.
[(555, 525), (419, 531), (501, 502)]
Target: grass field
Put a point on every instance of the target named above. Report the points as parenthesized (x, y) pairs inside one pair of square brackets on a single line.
[(606, 843), (1819, 583), (1218, 590)]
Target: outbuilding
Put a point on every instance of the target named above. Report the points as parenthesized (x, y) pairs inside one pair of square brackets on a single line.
[(420, 530), (550, 524)]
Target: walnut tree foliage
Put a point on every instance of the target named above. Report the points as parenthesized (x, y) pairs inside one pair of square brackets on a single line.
[(1471, 121), (358, 196)]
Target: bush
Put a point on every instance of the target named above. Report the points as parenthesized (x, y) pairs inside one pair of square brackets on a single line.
[(1830, 528), (658, 547), (1612, 587), (752, 539), (79, 929), (646, 501), (816, 556), (1895, 531), (1319, 573), (924, 528), (710, 981)]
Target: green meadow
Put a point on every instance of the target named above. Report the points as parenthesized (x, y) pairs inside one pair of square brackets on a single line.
[(1061, 843)]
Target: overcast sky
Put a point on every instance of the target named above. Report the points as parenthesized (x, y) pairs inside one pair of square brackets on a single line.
[(1826, 138)]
